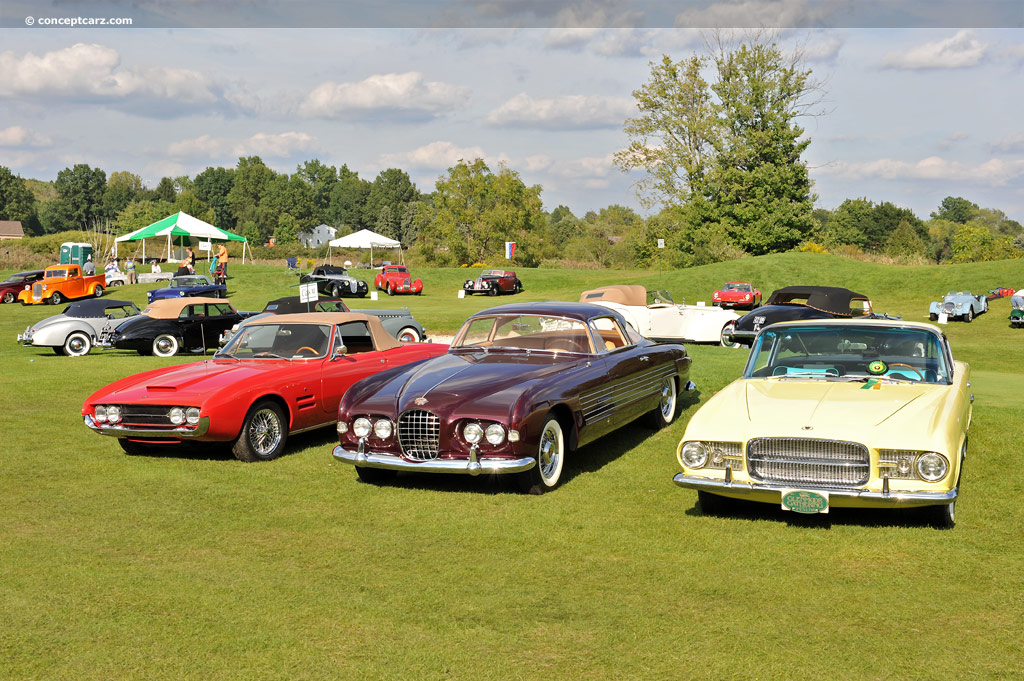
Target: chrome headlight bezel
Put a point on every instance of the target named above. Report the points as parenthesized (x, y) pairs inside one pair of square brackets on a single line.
[(362, 427), (694, 454), (99, 412), (192, 416), (383, 428), (495, 434), (931, 467), (113, 414), (176, 416), (472, 432)]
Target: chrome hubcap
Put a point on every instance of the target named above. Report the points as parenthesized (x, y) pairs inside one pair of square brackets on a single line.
[(76, 345), (164, 345), (264, 431), (549, 453), (668, 402)]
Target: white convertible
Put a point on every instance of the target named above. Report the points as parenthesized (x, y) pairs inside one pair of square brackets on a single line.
[(656, 316)]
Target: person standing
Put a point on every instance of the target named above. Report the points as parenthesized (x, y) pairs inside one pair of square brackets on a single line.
[(222, 259), (190, 260), (129, 269), (88, 268)]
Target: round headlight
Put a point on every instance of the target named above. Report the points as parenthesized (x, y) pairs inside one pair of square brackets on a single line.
[(495, 434), (473, 432), (113, 414), (361, 427), (342, 427), (932, 467), (695, 454), (176, 415), (192, 415), (382, 429), (100, 412)]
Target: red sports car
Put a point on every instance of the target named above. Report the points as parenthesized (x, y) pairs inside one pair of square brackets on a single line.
[(279, 375), (397, 279), (737, 294)]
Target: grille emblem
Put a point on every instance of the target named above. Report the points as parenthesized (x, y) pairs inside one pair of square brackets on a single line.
[(420, 401), (808, 427)]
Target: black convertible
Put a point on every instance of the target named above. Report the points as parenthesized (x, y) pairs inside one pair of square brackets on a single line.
[(335, 282), (799, 302), (173, 324)]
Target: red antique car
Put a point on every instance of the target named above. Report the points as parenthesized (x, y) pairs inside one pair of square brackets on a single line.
[(737, 294), (494, 282), (521, 386), (277, 376), (16, 283), (397, 279)]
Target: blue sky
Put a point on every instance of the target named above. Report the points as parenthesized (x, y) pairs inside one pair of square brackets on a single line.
[(911, 114)]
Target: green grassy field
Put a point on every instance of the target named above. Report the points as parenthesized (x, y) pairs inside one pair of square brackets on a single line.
[(199, 566)]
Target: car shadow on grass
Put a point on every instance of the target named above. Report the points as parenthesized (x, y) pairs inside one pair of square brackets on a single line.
[(319, 441), (738, 510)]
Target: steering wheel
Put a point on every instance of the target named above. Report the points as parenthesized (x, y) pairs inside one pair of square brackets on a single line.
[(306, 347), (920, 376)]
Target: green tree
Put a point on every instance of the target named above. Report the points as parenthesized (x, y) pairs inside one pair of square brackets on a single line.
[(139, 214), (212, 187), (286, 195), (188, 202), (347, 204), (251, 179), (955, 209), (905, 241), (391, 188), (475, 211), (17, 202), (386, 224), (287, 231), (79, 200), (166, 190), (321, 179)]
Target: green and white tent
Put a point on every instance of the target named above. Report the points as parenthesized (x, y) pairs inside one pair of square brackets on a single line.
[(181, 227)]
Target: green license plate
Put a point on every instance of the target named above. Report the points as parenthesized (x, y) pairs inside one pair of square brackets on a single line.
[(804, 501)]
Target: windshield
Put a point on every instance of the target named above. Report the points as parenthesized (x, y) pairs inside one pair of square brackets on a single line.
[(184, 282), (524, 332), (660, 297), (50, 274), (853, 352), (743, 288), (279, 341)]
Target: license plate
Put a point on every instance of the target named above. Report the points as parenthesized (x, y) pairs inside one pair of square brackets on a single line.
[(943, 318), (804, 501)]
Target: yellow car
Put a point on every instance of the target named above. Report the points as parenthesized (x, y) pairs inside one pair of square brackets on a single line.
[(836, 413)]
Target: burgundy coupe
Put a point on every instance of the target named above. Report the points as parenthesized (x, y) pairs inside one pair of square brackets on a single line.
[(494, 282), (521, 386), (279, 375)]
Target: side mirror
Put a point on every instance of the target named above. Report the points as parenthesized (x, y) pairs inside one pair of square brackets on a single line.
[(339, 351)]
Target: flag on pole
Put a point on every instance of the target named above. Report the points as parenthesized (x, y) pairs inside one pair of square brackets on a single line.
[(510, 249)]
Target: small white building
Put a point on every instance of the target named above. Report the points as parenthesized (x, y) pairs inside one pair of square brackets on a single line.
[(317, 236)]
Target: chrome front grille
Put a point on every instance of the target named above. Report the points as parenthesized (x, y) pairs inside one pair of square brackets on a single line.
[(948, 308), (142, 416), (799, 461), (418, 435), (37, 290)]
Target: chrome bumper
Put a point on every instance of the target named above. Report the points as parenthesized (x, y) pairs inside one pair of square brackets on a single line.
[(148, 434), (894, 498), (471, 466)]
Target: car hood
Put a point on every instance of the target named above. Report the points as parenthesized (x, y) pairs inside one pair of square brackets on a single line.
[(820, 409), (192, 383), (471, 380)]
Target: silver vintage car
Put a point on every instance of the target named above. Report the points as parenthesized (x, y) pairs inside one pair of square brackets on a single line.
[(958, 305), (74, 331)]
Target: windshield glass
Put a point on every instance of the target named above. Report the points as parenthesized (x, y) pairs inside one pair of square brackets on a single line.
[(279, 341), (853, 352), (50, 274), (184, 282), (660, 297), (743, 288), (524, 332)]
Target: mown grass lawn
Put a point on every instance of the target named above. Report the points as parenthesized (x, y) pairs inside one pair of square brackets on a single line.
[(199, 566)]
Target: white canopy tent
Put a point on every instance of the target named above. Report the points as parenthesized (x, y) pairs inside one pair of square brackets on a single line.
[(180, 226), (364, 239)]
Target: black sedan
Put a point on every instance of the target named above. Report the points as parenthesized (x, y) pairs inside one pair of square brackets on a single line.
[(798, 302), (173, 324)]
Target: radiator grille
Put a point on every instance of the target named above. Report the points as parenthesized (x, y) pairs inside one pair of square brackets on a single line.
[(144, 416), (948, 308), (798, 461), (37, 290), (418, 434)]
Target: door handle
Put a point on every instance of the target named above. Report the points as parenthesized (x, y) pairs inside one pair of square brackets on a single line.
[(644, 358)]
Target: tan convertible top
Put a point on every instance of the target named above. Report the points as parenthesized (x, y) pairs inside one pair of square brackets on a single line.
[(623, 294), (170, 308), (382, 340)]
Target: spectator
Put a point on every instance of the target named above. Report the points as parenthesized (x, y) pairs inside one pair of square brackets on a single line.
[(222, 259), (129, 268), (190, 260), (112, 267), (88, 268)]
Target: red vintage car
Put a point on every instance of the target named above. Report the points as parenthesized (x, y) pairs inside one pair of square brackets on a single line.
[(737, 294), (521, 386), (277, 376), (494, 282), (397, 279), (16, 283)]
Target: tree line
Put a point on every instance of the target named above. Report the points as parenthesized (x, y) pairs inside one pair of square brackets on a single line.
[(717, 137)]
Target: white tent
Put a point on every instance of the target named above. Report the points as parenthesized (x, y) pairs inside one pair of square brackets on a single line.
[(365, 239)]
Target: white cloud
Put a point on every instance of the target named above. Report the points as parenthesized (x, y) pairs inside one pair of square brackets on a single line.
[(569, 112), (995, 171), (961, 51), (1012, 144), (433, 156), (278, 145), (17, 136), (94, 72), (952, 139), (538, 162), (823, 50), (753, 14), (399, 92)]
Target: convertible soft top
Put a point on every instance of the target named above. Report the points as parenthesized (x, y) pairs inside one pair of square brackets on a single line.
[(94, 307), (292, 305), (170, 308), (382, 340), (831, 299), (623, 294)]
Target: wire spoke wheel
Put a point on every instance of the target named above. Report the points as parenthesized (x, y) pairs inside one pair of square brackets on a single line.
[(264, 433)]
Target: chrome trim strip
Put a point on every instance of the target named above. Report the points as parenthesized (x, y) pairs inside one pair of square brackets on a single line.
[(465, 466), (149, 434), (895, 498)]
